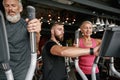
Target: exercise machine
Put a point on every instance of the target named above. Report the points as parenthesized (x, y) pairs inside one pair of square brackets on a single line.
[(83, 76), (31, 70), (4, 49), (110, 47)]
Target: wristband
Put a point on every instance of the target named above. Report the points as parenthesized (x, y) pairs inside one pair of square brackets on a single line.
[(91, 51)]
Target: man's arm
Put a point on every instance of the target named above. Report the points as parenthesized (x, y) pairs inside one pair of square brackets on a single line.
[(72, 51), (38, 35)]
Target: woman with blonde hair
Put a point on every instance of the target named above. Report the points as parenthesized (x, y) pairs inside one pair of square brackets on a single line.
[(86, 41)]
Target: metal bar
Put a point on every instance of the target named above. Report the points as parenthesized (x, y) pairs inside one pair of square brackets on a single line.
[(30, 73), (63, 6), (97, 5), (81, 73), (4, 62), (94, 68), (112, 68)]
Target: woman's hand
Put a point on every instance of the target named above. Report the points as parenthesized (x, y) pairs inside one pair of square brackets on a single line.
[(96, 50)]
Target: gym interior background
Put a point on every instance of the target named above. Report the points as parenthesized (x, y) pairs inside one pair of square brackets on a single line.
[(102, 13)]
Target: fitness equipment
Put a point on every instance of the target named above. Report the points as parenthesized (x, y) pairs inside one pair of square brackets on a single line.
[(31, 70), (110, 47), (83, 76), (4, 49)]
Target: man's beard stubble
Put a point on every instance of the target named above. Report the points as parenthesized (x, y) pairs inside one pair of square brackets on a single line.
[(59, 38), (14, 18)]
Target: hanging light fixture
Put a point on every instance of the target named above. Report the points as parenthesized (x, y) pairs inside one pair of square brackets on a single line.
[(102, 22), (107, 22), (98, 21), (93, 23), (112, 24)]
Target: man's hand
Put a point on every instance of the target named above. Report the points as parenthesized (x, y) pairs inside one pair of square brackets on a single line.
[(34, 25)]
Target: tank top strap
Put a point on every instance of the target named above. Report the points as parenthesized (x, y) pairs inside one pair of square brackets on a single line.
[(81, 43)]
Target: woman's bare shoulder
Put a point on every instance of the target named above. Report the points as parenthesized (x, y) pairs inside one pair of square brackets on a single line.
[(98, 41)]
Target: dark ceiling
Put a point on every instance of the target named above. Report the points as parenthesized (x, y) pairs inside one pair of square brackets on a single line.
[(75, 11), (79, 10), (102, 8)]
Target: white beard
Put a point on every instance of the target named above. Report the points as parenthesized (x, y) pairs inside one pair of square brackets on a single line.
[(13, 19)]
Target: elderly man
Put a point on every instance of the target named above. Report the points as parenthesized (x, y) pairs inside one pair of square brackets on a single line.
[(18, 38)]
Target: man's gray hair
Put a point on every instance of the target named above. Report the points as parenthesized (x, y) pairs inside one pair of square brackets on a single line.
[(20, 2)]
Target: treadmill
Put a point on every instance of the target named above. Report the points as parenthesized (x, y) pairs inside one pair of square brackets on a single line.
[(4, 49)]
